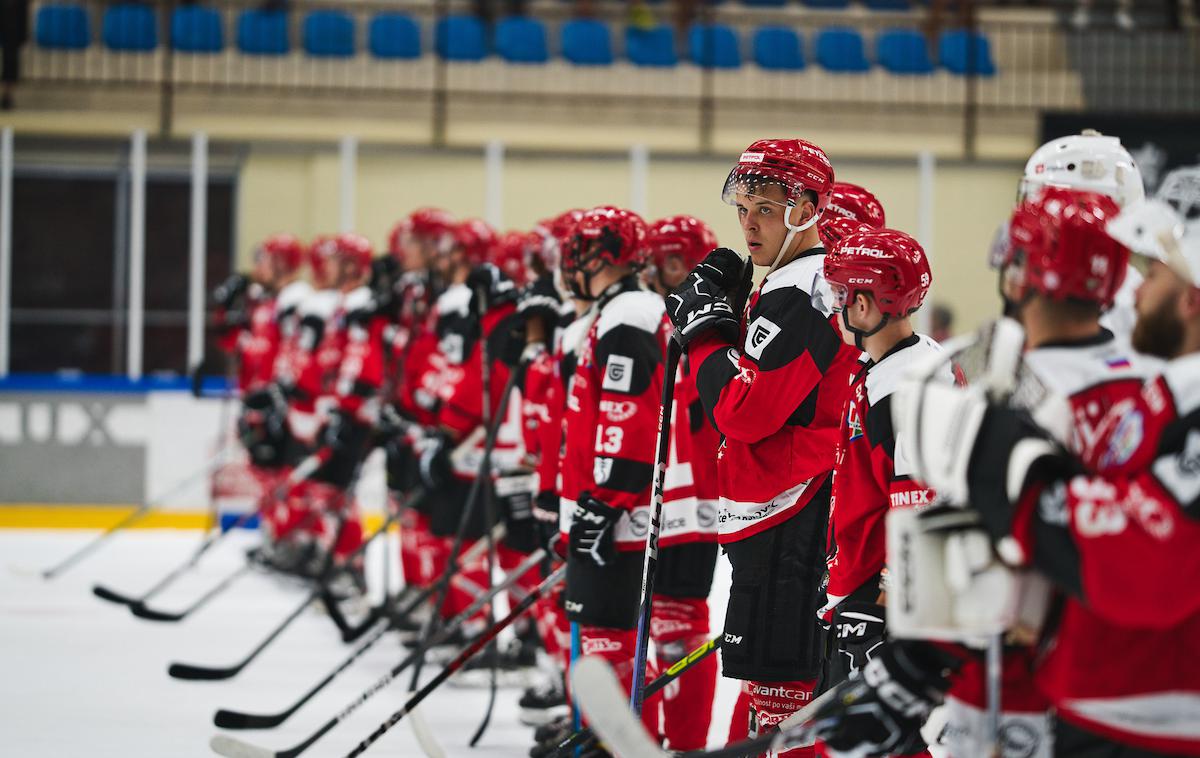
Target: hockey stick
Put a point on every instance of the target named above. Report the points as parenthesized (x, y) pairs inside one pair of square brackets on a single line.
[(585, 738), (210, 673), (650, 564), (228, 719), (442, 588), (602, 699), (141, 512), (104, 593), (235, 748), (142, 611), (451, 668)]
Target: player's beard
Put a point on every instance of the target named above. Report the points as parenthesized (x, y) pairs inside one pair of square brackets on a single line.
[(1159, 332)]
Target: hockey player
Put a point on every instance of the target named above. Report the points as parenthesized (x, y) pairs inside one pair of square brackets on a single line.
[(608, 458), (879, 278), (688, 539), (774, 385), (850, 206), (1116, 542)]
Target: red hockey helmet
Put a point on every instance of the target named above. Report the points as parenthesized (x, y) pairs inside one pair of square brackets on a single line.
[(794, 164), (834, 229), (554, 233), (850, 201), (321, 252), (1059, 236), (355, 250), (889, 265), (477, 239), (687, 237), (286, 250), (431, 222), (612, 235), (510, 252), (400, 231)]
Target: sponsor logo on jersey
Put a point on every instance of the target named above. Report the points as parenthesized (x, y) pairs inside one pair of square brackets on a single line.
[(706, 514), (601, 645), (853, 422), (618, 410), (780, 691), (910, 498), (618, 373), (1125, 439), (639, 523), (758, 335)]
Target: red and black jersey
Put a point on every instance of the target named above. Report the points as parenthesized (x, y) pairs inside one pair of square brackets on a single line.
[(611, 417), (871, 476), (778, 400), (1125, 542), (257, 343), (690, 482)]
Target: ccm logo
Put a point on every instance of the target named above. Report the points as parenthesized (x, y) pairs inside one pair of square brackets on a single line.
[(859, 280), (733, 639), (573, 607)]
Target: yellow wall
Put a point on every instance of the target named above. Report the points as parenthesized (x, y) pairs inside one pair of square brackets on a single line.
[(298, 191)]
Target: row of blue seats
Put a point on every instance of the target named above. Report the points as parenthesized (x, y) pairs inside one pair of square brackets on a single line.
[(196, 29)]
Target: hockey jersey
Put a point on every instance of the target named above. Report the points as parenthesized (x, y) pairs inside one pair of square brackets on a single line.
[(690, 482), (1122, 663), (871, 475), (778, 400), (611, 417)]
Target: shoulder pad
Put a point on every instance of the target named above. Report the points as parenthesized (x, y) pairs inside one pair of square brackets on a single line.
[(572, 335), (640, 309), (456, 300), (293, 294), (1071, 370), (359, 299), (806, 274), (884, 377), (321, 304)]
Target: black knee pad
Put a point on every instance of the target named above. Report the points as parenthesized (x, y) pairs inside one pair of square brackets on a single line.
[(686, 571), (606, 596), (771, 628)]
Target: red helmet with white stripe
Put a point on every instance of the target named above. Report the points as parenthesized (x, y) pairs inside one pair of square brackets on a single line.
[(794, 164), (888, 264), (476, 238), (687, 237), (285, 250), (849, 202), (614, 236), (1059, 238), (509, 254)]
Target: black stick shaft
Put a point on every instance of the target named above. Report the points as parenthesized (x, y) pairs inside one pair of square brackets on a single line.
[(650, 564), (451, 668)]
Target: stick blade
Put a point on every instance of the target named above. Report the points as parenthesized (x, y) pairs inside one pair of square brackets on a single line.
[(606, 706), (420, 727), (232, 747), (112, 596), (143, 611), (203, 673), (227, 719)]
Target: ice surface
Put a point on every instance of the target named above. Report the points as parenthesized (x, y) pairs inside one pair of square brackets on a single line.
[(80, 677)]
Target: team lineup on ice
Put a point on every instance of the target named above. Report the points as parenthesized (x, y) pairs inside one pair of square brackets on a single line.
[(650, 496)]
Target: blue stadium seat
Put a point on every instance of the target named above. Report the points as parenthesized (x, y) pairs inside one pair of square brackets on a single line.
[(650, 47), (130, 27), (261, 32), (461, 38), (840, 49), (521, 40), (778, 48), (587, 43), (903, 51), (196, 29), (329, 34), (888, 5), (714, 45), (827, 3), (394, 36), (952, 53), (62, 27), (763, 3)]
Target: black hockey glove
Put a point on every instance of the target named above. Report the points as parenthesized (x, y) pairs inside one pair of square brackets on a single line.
[(514, 496), (702, 303), (229, 293), (540, 299), (434, 460), (859, 630), (489, 283), (346, 438), (881, 712), (591, 537), (262, 426), (545, 515)]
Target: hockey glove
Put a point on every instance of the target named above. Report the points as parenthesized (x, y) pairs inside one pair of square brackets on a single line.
[(702, 302), (229, 293), (882, 711), (591, 537), (434, 460), (545, 515), (540, 299), (859, 630), (514, 496), (490, 287)]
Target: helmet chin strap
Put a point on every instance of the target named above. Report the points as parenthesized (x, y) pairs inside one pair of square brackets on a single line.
[(793, 230), (862, 334)]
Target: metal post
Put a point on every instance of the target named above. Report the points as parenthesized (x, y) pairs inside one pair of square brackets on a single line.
[(349, 153), (493, 197), (196, 250), (639, 170), (6, 166), (137, 253), (926, 169), (971, 101)]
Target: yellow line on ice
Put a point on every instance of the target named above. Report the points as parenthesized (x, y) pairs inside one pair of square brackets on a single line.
[(43, 516)]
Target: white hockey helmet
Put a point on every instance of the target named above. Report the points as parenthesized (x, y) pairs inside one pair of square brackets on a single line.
[(1181, 190), (1088, 161), (1152, 228)]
